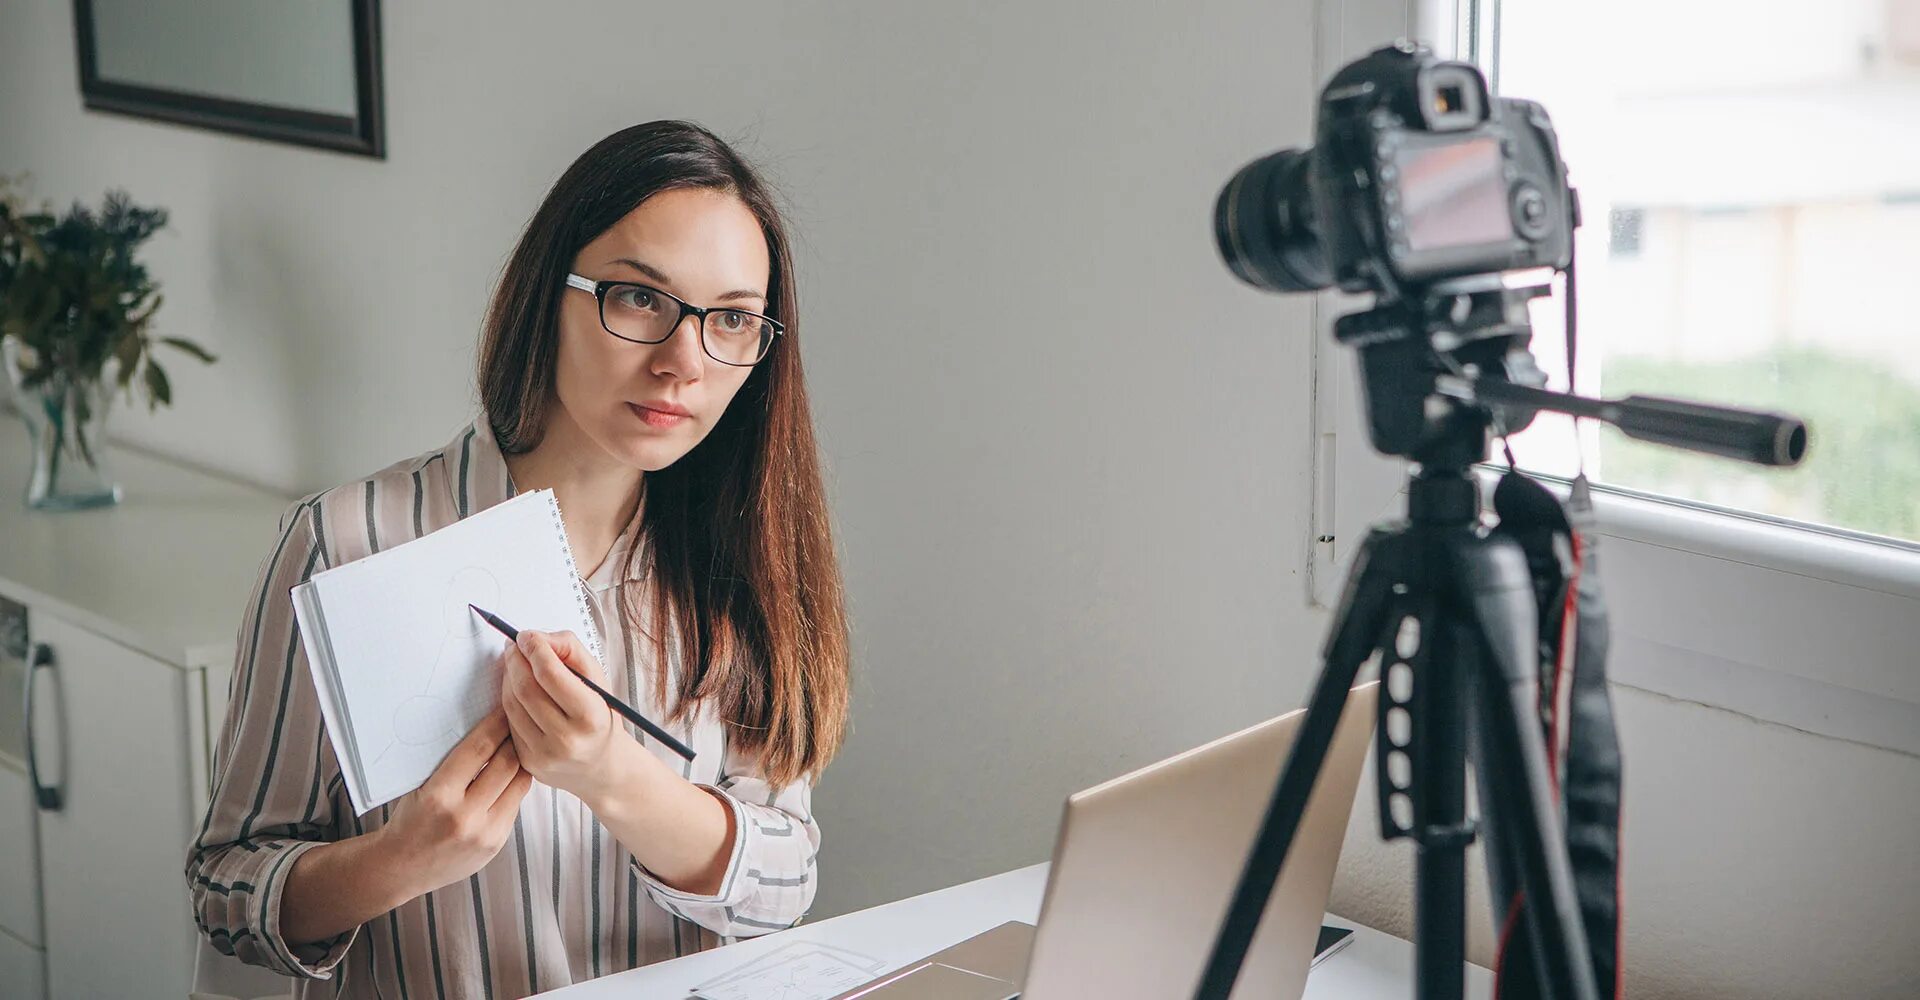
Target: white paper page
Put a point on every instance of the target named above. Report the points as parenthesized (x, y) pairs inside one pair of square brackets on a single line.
[(804, 973), (417, 668), (785, 952)]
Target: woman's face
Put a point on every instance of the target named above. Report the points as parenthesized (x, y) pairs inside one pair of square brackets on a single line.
[(701, 245)]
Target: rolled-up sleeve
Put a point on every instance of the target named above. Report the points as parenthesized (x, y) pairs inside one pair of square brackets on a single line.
[(771, 879), (274, 775)]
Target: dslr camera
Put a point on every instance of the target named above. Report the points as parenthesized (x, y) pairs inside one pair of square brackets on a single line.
[(1417, 177)]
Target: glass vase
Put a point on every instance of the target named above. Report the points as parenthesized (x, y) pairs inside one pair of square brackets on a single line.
[(66, 419)]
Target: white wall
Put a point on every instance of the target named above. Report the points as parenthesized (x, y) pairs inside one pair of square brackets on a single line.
[(1073, 521)]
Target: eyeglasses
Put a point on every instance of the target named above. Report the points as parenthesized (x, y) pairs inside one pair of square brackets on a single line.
[(646, 315)]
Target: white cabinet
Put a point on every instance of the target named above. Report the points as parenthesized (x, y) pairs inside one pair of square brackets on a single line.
[(19, 861), (113, 850), (23, 952), (130, 608)]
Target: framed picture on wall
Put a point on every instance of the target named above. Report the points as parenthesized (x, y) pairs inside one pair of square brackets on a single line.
[(298, 71)]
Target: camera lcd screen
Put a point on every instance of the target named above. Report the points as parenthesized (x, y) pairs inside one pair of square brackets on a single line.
[(1453, 195)]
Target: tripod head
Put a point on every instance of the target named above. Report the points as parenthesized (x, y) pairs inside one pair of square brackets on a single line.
[(1445, 368)]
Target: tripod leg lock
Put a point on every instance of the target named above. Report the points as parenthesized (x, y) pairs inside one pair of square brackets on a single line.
[(1459, 835)]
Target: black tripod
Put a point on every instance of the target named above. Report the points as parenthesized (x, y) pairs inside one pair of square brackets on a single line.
[(1451, 609)]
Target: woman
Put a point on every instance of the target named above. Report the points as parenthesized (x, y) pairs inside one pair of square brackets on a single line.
[(641, 359)]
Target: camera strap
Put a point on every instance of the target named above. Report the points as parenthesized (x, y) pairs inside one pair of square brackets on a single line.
[(1576, 712)]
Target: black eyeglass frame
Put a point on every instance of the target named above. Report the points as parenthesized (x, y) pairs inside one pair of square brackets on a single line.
[(601, 288)]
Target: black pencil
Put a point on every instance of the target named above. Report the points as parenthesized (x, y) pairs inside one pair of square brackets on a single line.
[(612, 702)]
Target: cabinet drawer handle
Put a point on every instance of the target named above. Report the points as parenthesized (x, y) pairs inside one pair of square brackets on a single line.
[(50, 797)]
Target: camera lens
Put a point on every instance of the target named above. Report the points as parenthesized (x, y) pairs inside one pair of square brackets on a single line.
[(1263, 223)]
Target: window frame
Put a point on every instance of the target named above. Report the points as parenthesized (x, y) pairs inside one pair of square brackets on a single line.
[(1802, 626)]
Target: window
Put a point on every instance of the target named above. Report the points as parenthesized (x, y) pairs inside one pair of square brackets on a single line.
[(1750, 182)]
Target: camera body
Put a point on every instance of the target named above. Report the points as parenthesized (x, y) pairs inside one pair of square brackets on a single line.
[(1417, 176)]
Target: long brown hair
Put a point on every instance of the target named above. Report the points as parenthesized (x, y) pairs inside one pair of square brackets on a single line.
[(743, 562)]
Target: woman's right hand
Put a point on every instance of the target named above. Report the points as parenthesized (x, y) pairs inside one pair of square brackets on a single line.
[(437, 834), (450, 827)]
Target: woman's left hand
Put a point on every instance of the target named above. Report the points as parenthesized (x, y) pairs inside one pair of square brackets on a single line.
[(565, 735)]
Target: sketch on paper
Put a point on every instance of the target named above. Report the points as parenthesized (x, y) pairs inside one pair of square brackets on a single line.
[(436, 714)]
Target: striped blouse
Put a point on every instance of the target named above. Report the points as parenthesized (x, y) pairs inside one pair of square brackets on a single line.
[(563, 901)]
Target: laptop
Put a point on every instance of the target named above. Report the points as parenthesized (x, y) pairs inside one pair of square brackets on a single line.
[(1142, 871)]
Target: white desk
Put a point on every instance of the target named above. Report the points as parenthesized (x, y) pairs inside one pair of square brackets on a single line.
[(1375, 966)]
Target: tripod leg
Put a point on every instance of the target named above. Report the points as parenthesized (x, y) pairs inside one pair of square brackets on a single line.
[(1441, 828), (1516, 792), (1420, 763), (1356, 627)]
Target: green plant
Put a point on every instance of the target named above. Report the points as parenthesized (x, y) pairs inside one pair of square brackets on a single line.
[(74, 297)]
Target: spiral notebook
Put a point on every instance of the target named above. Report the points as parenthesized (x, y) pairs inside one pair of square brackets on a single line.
[(403, 667)]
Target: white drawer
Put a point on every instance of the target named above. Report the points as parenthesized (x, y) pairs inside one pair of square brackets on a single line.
[(19, 861)]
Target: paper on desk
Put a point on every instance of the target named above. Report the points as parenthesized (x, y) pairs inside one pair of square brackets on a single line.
[(788, 951), (800, 971)]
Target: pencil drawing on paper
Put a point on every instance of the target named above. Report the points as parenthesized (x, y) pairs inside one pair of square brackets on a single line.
[(434, 714)]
